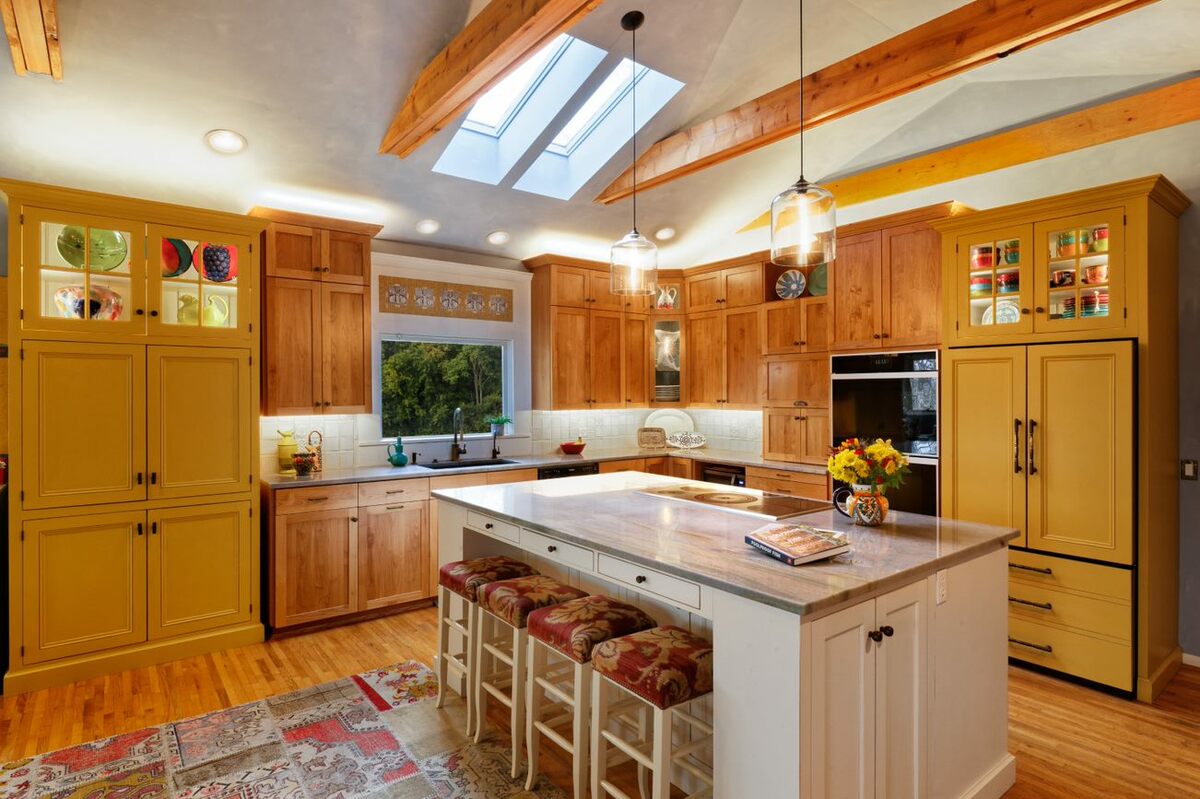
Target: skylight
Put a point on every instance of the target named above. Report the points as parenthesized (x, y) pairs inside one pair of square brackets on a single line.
[(495, 109), (597, 106)]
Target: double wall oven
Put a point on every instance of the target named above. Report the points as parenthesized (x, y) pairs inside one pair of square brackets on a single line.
[(893, 395)]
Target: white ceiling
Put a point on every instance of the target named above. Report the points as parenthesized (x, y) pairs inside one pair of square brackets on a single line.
[(313, 85)]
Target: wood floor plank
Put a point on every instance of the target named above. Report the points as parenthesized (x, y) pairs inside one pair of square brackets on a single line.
[(1069, 741)]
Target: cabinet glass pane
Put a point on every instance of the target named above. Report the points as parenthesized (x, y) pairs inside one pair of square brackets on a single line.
[(1078, 272), (994, 282), (199, 283), (666, 361), (84, 273)]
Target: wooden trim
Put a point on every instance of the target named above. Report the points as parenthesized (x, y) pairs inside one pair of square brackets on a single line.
[(963, 39), (14, 38), (309, 220), (928, 213), (31, 27), (497, 40), (549, 259)]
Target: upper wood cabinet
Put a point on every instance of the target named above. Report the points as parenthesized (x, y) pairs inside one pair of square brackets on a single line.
[(724, 358), (637, 359), (796, 326), (797, 381), (317, 248), (731, 287), (346, 348)]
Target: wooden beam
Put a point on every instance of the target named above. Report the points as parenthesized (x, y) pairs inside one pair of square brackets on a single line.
[(31, 27), (492, 44), (967, 37), (1164, 107)]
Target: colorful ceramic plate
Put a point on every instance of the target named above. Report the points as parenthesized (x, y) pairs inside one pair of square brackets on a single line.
[(685, 440), (818, 281), (790, 284), (107, 248), (1007, 313), (176, 257)]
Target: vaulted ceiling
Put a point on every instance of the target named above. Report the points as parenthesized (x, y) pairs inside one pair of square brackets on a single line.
[(313, 85)]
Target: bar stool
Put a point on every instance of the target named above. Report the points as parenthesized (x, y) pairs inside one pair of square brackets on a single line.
[(570, 631), (504, 609), (464, 578), (662, 669)]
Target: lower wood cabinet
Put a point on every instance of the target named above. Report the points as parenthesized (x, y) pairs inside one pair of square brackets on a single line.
[(781, 481), (393, 554), (628, 465), (314, 571)]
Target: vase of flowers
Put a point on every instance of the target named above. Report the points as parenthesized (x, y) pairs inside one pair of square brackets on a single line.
[(870, 468)]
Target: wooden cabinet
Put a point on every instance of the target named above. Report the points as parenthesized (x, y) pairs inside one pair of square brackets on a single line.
[(511, 476), (393, 554), (346, 256), (797, 381), (590, 359), (567, 370), (307, 247), (781, 481), (724, 358), (796, 435), (856, 285), (293, 251), (705, 358), (868, 714), (314, 565), (658, 465), (637, 355), (606, 359), (796, 326), (681, 467), (201, 563), (731, 287), (627, 465), (346, 348)]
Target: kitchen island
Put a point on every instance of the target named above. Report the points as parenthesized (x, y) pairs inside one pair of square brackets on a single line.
[(805, 702)]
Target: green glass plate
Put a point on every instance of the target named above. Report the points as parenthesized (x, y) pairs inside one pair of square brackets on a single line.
[(108, 248), (818, 281)]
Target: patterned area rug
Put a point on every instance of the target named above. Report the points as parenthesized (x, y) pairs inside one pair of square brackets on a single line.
[(375, 734)]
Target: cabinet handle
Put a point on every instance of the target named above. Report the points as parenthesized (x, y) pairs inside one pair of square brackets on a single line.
[(395, 507), (1031, 457), (887, 630), (795, 343), (139, 478), (139, 528), (316, 269), (886, 335), (327, 403), (875, 636), (1024, 568), (1016, 446), (395, 491), (153, 478), (800, 404), (153, 528), (1039, 647), (552, 548), (316, 499), (797, 418), (1025, 311), (803, 343), (1031, 603), (324, 268), (641, 578)]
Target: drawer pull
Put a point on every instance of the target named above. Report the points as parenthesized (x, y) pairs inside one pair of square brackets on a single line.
[(551, 548), (316, 499), (1036, 569), (395, 491), (641, 578), (395, 507), (488, 526), (1031, 603), (1039, 647)]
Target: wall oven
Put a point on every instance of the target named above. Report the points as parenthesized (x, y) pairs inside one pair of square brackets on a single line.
[(893, 395)]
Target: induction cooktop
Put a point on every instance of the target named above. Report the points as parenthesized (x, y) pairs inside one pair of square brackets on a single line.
[(772, 507)]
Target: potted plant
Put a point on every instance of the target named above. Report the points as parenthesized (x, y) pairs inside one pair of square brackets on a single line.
[(498, 424), (871, 468)]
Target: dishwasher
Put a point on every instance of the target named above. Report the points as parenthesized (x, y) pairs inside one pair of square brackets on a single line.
[(567, 470), (723, 474)]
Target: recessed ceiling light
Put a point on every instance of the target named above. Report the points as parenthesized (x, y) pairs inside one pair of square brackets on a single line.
[(498, 237), (226, 142), (428, 227), (664, 233)]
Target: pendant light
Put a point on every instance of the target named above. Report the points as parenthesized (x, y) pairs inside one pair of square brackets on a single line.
[(803, 217), (634, 259)]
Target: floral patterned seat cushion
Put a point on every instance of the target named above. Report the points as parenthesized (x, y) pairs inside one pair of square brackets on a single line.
[(574, 628), (666, 666), (513, 600), (466, 577)]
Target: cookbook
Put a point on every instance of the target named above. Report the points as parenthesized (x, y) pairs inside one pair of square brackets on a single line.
[(795, 544)]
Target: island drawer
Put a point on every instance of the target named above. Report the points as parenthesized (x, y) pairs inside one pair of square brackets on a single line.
[(490, 526), (650, 581), (792, 488), (384, 491), (1081, 654), (1047, 571), (764, 473), (576, 557), (302, 500)]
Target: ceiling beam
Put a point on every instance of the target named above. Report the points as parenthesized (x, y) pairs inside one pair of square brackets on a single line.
[(31, 27), (494, 41), (1164, 107), (967, 37)]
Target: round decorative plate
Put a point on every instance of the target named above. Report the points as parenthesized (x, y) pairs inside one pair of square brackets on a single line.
[(818, 281), (107, 248), (176, 257), (1007, 313), (685, 440), (790, 284), (670, 420)]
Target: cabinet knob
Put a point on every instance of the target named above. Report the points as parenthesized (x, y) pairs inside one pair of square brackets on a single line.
[(551, 548), (885, 335), (878, 336), (887, 630), (488, 526), (875, 636), (1039, 309), (641, 578), (154, 313), (353, 518), (325, 269), (139, 528), (803, 343), (139, 311), (797, 418), (327, 403), (1026, 311)]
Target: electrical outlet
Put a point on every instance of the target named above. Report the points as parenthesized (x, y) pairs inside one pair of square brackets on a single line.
[(1189, 469), (941, 587)]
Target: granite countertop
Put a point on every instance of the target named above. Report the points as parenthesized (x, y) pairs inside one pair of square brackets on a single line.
[(366, 474), (707, 545)]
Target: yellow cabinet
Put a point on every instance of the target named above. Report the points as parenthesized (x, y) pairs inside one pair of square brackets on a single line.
[(199, 283), (1080, 273), (83, 425), (393, 554), (83, 584), (201, 563), (199, 422)]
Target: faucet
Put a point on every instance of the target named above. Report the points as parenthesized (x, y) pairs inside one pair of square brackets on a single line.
[(458, 449)]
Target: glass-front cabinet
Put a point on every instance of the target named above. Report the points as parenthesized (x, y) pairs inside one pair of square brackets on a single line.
[(83, 272), (667, 354), (195, 288), (1080, 272), (995, 282)]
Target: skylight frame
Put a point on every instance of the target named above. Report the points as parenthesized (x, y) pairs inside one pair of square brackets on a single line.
[(564, 43), (597, 117)]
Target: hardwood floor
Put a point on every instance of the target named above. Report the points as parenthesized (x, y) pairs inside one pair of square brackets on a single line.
[(1070, 742)]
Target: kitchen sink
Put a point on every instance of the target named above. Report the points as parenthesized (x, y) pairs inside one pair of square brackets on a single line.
[(466, 463)]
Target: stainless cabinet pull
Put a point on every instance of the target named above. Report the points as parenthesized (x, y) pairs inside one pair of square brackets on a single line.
[(1031, 603), (1036, 569), (1016, 446), (1039, 647), (1032, 462)]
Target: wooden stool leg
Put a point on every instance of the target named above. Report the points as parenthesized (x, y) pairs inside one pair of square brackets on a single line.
[(468, 679), (483, 662), (533, 711), (517, 720), (643, 737), (579, 728), (599, 751), (661, 778), (443, 636)]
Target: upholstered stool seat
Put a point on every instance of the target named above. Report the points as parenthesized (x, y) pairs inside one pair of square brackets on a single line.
[(663, 668), (500, 649), (570, 630), (466, 577)]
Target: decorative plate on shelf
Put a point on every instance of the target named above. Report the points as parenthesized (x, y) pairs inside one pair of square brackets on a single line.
[(682, 440), (107, 248), (790, 284), (671, 420), (1007, 313), (818, 281), (176, 257)]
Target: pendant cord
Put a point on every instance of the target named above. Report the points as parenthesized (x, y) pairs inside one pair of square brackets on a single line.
[(801, 89), (633, 78)]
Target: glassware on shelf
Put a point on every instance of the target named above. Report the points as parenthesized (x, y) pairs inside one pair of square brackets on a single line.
[(83, 273), (199, 283), (994, 282)]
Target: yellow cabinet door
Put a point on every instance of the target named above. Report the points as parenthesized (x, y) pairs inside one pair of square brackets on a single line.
[(983, 436), (82, 273), (83, 423), (993, 285), (83, 584), (1080, 450), (316, 566), (393, 554), (200, 564), (199, 424), (1080, 273), (200, 283)]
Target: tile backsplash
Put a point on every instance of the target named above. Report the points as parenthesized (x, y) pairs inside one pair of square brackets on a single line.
[(739, 431), (338, 434)]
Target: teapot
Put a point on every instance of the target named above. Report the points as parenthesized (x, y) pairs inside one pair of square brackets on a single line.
[(214, 314)]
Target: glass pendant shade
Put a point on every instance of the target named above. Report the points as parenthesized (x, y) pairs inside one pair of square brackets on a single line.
[(803, 226), (634, 265)]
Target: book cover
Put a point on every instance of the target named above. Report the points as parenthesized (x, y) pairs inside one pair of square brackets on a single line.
[(795, 544)]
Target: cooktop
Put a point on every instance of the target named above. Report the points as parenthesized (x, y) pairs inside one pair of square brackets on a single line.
[(766, 506)]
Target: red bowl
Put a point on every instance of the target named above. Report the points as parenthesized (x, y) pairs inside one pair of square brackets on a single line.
[(572, 447)]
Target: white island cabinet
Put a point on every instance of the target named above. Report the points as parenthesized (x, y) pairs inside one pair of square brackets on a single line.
[(881, 674)]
